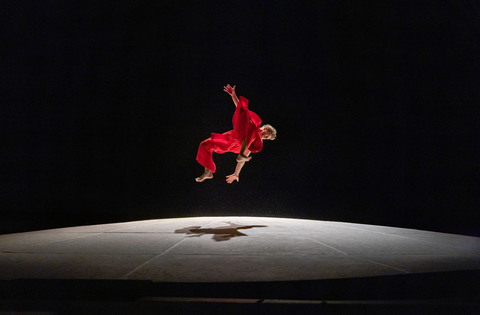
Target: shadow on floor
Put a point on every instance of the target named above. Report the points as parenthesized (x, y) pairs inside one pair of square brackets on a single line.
[(222, 233)]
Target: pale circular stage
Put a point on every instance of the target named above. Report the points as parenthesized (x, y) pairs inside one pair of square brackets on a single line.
[(232, 249)]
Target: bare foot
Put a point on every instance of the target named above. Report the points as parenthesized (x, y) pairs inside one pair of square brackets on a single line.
[(206, 175), (243, 158)]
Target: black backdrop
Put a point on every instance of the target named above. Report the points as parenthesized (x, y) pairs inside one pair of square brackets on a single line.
[(376, 109)]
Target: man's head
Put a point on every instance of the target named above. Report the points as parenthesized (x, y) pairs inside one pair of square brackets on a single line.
[(268, 132)]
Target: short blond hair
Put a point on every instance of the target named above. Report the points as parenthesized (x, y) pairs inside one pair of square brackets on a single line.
[(273, 131)]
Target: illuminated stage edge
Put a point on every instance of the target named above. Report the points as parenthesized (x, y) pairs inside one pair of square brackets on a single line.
[(232, 249)]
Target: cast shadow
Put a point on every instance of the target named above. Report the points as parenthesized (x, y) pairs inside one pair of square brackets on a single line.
[(221, 233)]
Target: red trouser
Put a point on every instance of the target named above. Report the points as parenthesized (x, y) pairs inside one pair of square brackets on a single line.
[(205, 154), (219, 143)]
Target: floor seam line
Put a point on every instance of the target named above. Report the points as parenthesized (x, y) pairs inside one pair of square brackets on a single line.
[(160, 255), (68, 239), (327, 246), (377, 263), (151, 260), (458, 247)]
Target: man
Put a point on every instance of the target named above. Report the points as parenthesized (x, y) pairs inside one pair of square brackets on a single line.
[(246, 137)]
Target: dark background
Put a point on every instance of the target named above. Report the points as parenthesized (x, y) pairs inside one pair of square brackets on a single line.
[(376, 107)]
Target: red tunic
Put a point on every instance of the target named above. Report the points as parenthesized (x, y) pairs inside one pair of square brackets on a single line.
[(246, 125)]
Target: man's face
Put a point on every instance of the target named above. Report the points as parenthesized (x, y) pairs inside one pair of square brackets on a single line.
[(266, 134)]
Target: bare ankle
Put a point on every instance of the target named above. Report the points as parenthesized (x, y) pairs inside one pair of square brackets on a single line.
[(208, 174)]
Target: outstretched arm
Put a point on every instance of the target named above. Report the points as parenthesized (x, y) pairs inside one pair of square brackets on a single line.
[(231, 90), (236, 176)]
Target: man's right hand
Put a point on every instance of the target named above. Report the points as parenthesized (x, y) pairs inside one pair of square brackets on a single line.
[(230, 90)]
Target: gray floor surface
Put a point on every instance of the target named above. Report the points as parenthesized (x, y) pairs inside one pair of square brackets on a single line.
[(226, 249)]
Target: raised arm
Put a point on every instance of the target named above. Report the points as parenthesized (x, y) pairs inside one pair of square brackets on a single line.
[(231, 90)]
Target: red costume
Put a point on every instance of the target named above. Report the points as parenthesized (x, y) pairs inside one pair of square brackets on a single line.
[(246, 125)]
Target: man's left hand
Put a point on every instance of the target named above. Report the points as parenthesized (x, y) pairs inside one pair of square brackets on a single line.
[(233, 177)]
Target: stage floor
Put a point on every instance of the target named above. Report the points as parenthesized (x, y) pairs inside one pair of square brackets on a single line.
[(232, 249)]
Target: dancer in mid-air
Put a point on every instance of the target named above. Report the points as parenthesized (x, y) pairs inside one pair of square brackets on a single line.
[(246, 137)]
